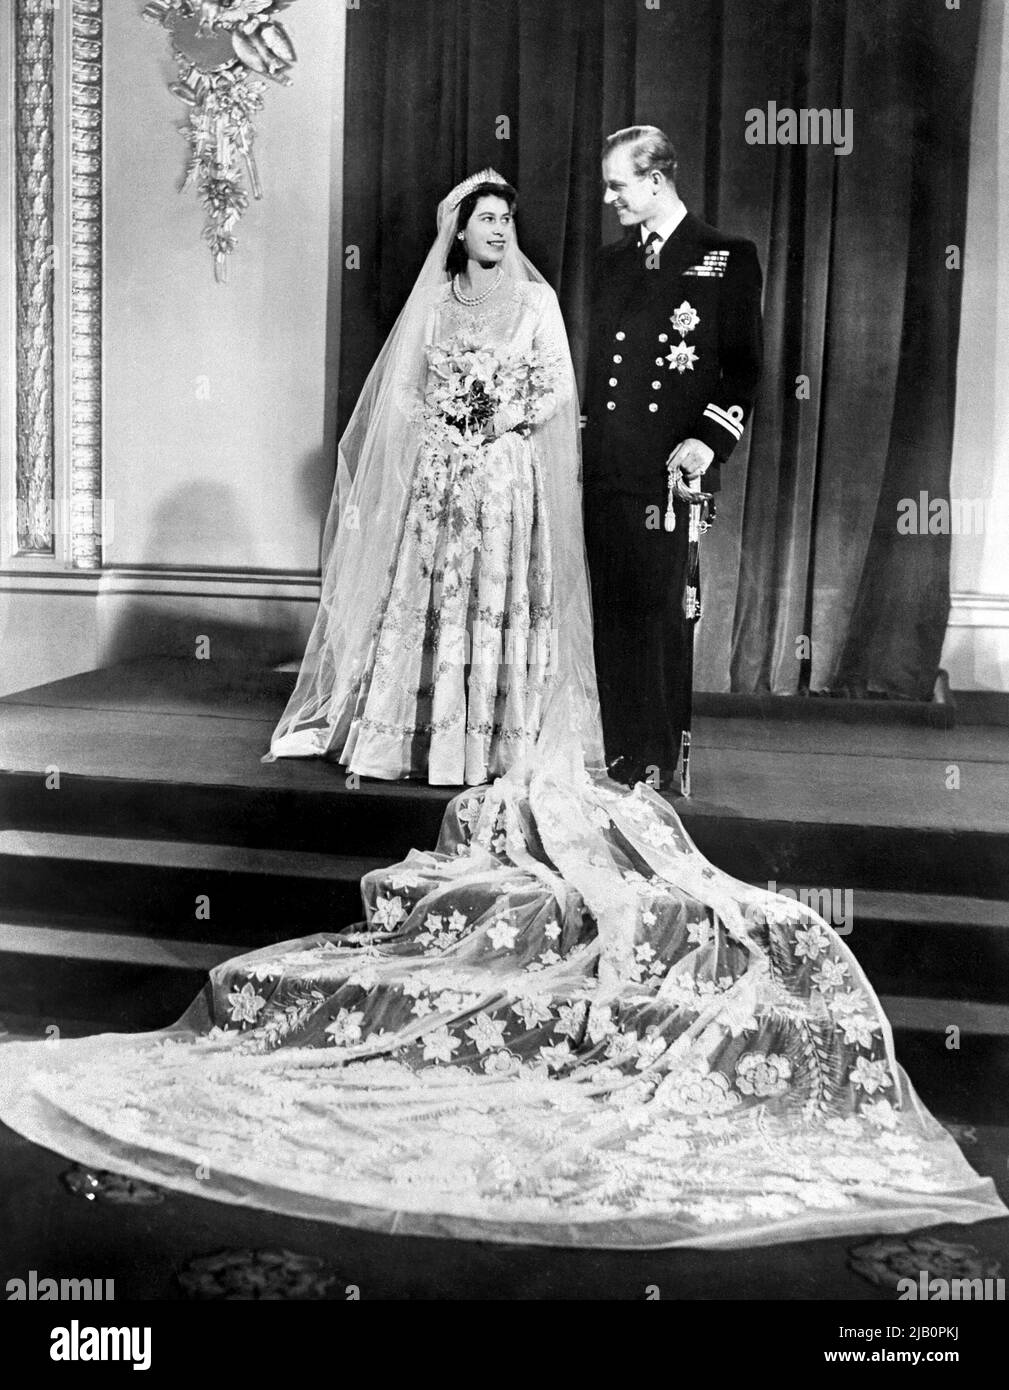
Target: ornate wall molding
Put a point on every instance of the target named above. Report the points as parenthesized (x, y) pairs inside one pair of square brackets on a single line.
[(58, 279), (34, 255), (86, 285)]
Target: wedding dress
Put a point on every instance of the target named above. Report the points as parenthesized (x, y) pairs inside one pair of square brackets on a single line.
[(453, 592), (561, 1026), (472, 578)]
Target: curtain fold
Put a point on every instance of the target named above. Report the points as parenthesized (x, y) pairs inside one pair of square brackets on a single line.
[(858, 300)]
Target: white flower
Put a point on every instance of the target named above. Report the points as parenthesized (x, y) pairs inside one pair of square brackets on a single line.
[(623, 1045), (365, 978), (811, 941), (547, 958), (389, 912), (644, 951), (739, 1015), (882, 1113), (570, 1018), (650, 1049), (557, 1057), (457, 922), (697, 1093), (760, 1074), (551, 931), (532, 1011), (830, 975), (439, 1045), (501, 1064), (245, 1004), (487, 1033), (680, 989), (601, 1024), (870, 1076), (346, 1027), (502, 934), (657, 834), (858, 1029), (701, 932), (422, 1006), (469, 812)]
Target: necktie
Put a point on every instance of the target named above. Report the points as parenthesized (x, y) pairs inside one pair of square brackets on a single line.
[(651, 244)]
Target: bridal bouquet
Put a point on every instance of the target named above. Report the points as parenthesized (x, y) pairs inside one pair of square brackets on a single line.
[(475, 393)]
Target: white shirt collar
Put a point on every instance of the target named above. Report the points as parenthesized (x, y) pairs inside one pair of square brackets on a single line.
[(666, 230)]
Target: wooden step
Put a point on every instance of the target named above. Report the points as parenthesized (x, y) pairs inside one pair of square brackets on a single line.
[(255, 895), (388, 820), (963, 1074)]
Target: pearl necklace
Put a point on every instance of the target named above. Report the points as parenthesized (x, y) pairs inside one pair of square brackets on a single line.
[(472, 299)]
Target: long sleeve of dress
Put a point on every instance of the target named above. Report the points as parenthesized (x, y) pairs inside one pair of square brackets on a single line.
[(550, 342)]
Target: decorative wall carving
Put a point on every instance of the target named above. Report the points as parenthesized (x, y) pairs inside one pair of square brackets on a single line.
[(86, 285), (42, 476), (34, 254)]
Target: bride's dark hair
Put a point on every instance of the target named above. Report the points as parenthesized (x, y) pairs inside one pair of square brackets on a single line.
[(455, 263)]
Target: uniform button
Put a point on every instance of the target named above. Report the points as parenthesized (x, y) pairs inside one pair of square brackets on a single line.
[(620, 337), (656, 385), (659, 361), (663, 337), (613, 381), (611, 405), (618, 359), (653, 407)]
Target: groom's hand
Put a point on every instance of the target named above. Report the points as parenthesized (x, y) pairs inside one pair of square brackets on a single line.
[(691, 457)]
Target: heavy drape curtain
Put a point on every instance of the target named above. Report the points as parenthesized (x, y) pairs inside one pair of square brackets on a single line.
[(859, 297)]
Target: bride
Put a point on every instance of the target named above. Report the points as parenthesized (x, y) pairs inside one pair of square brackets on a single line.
[(562, 1025), (452, 553)]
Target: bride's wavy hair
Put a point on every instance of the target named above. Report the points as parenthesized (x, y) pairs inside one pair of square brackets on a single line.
[(455, 262)]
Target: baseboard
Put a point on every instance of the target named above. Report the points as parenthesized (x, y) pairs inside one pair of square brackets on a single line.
[(738, 705), (982, 706)]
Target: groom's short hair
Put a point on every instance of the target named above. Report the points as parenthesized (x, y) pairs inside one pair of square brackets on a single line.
[(650, 147)]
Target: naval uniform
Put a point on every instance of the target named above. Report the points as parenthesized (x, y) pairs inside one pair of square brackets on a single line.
[(675, 353)]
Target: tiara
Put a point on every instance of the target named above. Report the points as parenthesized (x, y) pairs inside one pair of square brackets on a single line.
[(467, 186)]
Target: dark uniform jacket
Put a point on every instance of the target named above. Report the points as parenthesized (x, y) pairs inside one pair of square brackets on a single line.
[(675, 353)]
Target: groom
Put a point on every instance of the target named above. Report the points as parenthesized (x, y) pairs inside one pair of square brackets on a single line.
[(674, 359)]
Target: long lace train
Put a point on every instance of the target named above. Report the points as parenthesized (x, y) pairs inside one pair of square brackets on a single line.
[(563, 1026)]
